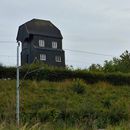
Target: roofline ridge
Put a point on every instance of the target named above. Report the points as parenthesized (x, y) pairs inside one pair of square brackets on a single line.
[(41, 20)]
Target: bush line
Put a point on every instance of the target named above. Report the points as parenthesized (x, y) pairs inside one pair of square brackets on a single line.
[(60, 74)]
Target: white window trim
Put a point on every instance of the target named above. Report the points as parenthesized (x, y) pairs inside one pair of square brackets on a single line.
[(54, 44), (41, 43), (43, 57), (58, 58)]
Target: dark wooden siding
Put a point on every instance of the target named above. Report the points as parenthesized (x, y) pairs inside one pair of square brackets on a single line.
[(50, 57), (31, 51), (48, 41), (31, 32)]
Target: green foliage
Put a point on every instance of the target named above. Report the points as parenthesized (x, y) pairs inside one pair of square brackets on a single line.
[(49, 126), (121, 64), (68, 104), (95, 68), (78, 86), (116, 71), (43, 72)]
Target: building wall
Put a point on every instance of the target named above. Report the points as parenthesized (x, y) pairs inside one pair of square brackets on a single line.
[(48, 41), (31, 50), (50, 56), (26, 52), (25, 57)]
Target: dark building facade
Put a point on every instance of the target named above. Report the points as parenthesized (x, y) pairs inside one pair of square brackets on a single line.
[(41, 40)]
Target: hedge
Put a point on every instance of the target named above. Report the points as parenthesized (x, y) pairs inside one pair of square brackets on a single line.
[(60, 74)]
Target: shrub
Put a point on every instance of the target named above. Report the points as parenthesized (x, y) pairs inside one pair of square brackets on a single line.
[(42, 72), (78, 86)]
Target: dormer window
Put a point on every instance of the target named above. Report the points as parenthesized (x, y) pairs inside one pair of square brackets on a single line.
[(41, 43), (54, 44)]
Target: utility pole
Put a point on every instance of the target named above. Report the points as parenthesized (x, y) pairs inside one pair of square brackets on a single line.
[(17, 87)]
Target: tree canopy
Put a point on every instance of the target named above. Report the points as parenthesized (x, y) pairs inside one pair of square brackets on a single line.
[(121, 64)]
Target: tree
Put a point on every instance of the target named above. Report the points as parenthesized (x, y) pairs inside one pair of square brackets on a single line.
[(95, 67), (121, 64)]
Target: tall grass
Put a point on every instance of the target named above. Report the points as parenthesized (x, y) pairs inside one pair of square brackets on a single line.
[(48, 126), (71, 104), (37, 126)]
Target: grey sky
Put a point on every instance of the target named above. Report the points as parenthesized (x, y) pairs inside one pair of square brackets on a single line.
[(100, 26)]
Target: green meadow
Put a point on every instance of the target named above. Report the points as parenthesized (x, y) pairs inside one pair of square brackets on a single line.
[(65, 105)]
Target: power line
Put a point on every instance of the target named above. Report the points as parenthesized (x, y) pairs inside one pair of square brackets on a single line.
[(71, 50), (77, 51), (88, 52)]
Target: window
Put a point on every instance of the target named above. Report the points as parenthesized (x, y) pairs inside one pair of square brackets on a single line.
[(43, 57), (41, 43), (54, 44), (58, 58)]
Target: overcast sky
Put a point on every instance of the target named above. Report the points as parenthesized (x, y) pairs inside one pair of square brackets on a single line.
[(98, 26)]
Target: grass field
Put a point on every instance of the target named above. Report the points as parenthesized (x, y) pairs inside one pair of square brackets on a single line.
[(67, 105), (37, 126)]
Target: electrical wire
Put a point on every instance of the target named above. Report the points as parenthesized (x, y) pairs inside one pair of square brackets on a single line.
[(71, 50), (88, 52), (68, 50)]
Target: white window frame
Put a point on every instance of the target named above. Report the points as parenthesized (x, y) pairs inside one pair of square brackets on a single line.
[(41, 43), (54, 44), (58, 58), (43, 57)]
